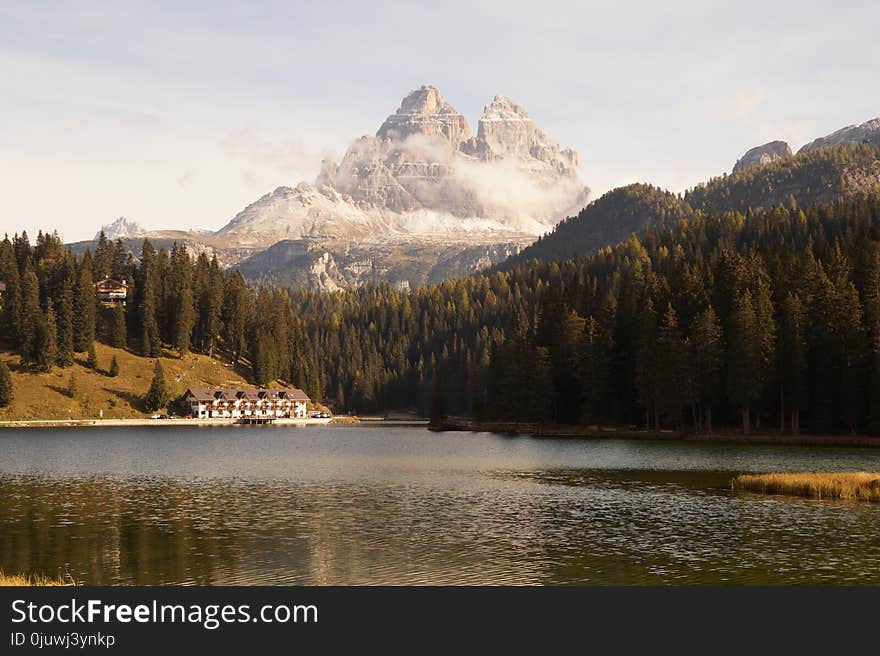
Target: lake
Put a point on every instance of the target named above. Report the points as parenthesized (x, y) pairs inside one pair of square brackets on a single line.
[(384, 504)]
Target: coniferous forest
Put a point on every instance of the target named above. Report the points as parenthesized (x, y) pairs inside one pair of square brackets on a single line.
[(767, 320)]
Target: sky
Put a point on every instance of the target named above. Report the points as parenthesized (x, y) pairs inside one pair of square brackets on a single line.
[(177, 115)]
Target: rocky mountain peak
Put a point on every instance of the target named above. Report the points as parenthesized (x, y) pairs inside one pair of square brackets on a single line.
[(760, 155), (121, 227), (866, 133), (423, 175), (508, 132), (503, 108), (425, 111)]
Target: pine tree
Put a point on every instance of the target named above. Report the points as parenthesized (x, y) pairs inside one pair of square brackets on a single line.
[(234, 314), (103, 257), (118, 330), (645, 362), (182, 299), (149, 285), (6, 387), (84, 307), (706, 351), (114, 367), (669, 357), (744, 357), (64, 316), (71, 385), (92, 360), (10, 305), (46, 341), (792, 360), (31, 317), (157, 396)]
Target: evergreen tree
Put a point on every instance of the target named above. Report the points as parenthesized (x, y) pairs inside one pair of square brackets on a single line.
[(6, 388), (744, 357), (92, 360), (669, 358), (149, 284), (46, 341), (792, 361), (706, 350), (30, 321), (64, 316), (10, 305), (157, 396), (71, 385), (114, 367), (84, 307), (118, 330), (645, 363), (183, 310)]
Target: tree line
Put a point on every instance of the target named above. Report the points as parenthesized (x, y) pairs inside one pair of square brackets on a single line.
[(764, 319), (175, 301)]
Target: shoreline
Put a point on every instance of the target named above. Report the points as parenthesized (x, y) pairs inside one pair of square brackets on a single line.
[(169, 423), (532, 429)]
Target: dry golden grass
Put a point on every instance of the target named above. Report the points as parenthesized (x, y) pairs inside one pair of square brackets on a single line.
[(862, 486), (7, 580), (44, 395)]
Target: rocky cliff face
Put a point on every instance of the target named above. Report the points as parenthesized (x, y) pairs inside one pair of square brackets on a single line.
[(866, 133), (425, 112), (423, 174), (121, 227), (769, 152)]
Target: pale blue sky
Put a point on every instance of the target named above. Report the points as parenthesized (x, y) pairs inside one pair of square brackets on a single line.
[(180, 117)]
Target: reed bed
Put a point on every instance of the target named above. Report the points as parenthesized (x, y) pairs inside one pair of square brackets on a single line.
[(861, 486), (7, 580)]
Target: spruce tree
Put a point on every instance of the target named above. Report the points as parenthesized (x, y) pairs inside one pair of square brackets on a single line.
[(30, 318), (645, 369), (114, 367), (669, 357), (84, 307), (706, 351), (157, 396), (64, 316), (744, 357), (792, 361), (71, 385), (92, 360), (10, 305), (182, 299), (46, 341), (118, 330), (6, 388), (149, 286)]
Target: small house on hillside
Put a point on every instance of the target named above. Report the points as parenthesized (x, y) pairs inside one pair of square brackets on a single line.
[(207, 403), (111, 292)]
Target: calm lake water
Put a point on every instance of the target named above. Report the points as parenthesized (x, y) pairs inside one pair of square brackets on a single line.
[(396, 505)]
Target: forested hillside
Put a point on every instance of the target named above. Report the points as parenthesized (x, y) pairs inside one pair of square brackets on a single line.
[(814, 177), (767, 318), (606, 221)]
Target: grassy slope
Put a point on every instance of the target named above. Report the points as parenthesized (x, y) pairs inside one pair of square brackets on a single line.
[(44, 396)]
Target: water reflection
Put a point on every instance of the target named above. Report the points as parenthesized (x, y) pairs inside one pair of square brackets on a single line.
[(396, 506)]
